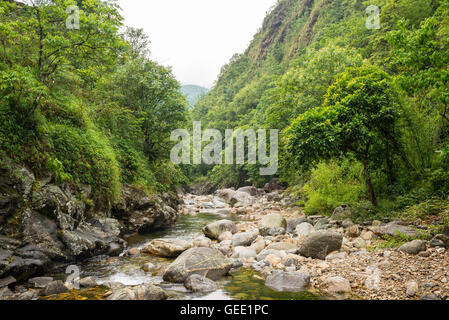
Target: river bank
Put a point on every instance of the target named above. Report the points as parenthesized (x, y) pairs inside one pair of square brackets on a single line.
[(261, 247)]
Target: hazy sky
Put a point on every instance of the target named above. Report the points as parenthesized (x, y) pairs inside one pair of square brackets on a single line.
[(196, 37)]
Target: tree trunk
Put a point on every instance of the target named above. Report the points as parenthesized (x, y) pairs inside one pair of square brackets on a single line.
[(369, 186)]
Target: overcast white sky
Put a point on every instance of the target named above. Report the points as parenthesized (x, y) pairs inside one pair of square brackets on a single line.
[(196, 37)]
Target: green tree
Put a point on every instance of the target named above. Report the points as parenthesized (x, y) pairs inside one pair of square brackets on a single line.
[(358, 118)]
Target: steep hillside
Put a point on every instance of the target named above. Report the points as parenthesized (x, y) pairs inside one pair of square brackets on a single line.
[(325, 73)]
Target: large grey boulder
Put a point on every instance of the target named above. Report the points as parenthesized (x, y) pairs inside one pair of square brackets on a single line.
[(288, 281), (215, 229), (197, 283), (320, 243), (414, 247), (394, 229), (168, 248), (141, 292), (207, 262), (139, 212)]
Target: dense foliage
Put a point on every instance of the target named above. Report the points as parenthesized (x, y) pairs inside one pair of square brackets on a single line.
[(85, 105), (363, 111)]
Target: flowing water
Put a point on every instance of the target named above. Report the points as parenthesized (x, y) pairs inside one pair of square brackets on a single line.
[(242, 285)]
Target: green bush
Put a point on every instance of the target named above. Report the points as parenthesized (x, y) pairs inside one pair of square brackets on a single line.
[(87, 156), (332, 185)]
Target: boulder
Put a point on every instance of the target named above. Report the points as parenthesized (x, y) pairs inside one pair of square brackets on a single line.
[(141, 292), (266, 252), (252, 191), (293, 223), (138, 212), (148, 267), (243, 239), (274, 185), (320, 243), (225, 236), (244, 253), (393, 229), (225, 194), (414, 247), (167, 248), (202, 241), (273, 197), (207, 262), (88, 282), (258, 245), (240, 199), (54, 287), (197, 283), (304, 229), (273, 224), (7, 281), (40, 282), (336, 285), (215, 229), (288, 281)]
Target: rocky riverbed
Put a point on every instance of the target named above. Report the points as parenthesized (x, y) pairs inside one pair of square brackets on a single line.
[(254, 243)]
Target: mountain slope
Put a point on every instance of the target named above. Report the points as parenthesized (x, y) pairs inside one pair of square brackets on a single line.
[(193, 93)]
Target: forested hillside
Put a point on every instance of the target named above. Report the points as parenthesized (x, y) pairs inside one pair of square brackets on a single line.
[(362, 110), (86, 105), (193, 93)]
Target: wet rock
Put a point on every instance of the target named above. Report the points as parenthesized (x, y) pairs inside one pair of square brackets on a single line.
[(40, 282), (148, 267), (197, 283), (115, 249), (413, 247), (54, 287), (341, 213), (88, 283), (168, 248), (244, 253), (337, 285), (243, 239), (215, 229), (320, 243), (142, 292), (304, 229), (5, 293), (138, 212), (288, 281), (133, 252), (207, 262), (7, 281)]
